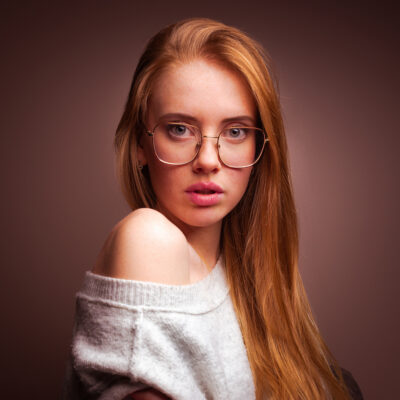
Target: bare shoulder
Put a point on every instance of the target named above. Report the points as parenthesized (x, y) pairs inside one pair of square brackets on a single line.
[(145, 246)]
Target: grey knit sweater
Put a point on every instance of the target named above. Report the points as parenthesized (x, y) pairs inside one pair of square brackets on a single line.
[(183, 340)]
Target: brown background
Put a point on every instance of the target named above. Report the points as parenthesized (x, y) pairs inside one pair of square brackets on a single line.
[(65, 73)]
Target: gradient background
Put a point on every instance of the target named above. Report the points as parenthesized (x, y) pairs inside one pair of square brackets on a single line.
[(65, 74)]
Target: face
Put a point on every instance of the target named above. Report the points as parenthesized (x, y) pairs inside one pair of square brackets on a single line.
[(211, 97)]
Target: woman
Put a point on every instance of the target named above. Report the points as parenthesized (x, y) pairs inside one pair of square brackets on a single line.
[(197, 293)]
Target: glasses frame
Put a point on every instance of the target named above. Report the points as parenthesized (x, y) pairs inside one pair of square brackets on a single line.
[(151, 133)]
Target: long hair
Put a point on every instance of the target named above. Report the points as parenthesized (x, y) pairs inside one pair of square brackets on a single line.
[(287, 355)]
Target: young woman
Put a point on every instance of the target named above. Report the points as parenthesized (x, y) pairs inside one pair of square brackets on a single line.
[(196, 293)]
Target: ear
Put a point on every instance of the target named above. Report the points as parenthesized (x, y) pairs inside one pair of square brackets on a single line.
[(141, 152)]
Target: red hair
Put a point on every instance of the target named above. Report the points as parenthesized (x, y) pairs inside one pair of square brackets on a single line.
[(286, 352)]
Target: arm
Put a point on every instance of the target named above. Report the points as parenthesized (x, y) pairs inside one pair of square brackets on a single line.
[(144, 246), (160, 252)]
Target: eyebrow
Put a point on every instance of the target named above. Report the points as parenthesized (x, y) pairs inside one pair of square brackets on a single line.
[(187, 117)]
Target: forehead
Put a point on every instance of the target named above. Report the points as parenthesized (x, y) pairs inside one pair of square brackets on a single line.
[(203, 89)]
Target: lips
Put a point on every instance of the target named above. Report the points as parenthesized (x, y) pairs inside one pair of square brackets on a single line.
[(205, 188), (204, 193)]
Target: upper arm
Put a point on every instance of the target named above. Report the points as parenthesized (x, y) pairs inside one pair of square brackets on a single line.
[(145, 246)]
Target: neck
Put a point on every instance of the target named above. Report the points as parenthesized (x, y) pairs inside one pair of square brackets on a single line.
[(205, 241)]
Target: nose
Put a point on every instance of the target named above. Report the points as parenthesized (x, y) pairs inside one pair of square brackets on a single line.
[(207, 159)]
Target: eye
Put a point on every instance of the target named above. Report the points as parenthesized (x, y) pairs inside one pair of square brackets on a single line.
[(179, 130), (235, 133)]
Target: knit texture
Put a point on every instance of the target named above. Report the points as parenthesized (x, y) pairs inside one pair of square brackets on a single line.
[(183, 340)]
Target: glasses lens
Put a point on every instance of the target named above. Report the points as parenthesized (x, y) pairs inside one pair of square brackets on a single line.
[(175, 143), (241, 146)]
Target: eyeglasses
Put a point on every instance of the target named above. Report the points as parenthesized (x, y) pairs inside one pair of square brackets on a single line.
[(179, 143)]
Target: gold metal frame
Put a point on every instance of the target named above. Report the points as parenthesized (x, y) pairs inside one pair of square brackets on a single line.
[(151, 133)]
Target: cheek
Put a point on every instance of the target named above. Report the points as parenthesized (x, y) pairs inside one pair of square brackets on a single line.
[(242, 177), (163, 178), (239, 180)]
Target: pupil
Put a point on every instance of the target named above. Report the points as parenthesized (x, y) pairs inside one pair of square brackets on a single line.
[(235, 132)]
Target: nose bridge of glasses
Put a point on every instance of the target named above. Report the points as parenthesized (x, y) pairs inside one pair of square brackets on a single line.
[(204, 150), (210, 137), (201, 141)]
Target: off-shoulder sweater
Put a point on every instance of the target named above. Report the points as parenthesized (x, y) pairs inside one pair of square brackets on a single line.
[(183, 340)]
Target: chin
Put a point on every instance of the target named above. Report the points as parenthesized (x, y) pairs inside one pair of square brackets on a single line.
[(196, 217), (203, 217), (201, 223)]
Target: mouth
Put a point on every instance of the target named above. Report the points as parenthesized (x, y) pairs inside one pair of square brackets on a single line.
[(205, 194), (205, 191), (204, 188)]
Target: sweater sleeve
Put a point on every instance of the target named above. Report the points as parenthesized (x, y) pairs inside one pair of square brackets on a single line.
[(130, 335), (104, 336)]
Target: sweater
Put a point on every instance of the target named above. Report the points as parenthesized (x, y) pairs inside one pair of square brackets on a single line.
[(183, 340)]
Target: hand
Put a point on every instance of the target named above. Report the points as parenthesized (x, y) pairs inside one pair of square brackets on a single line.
[(147, 394)]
